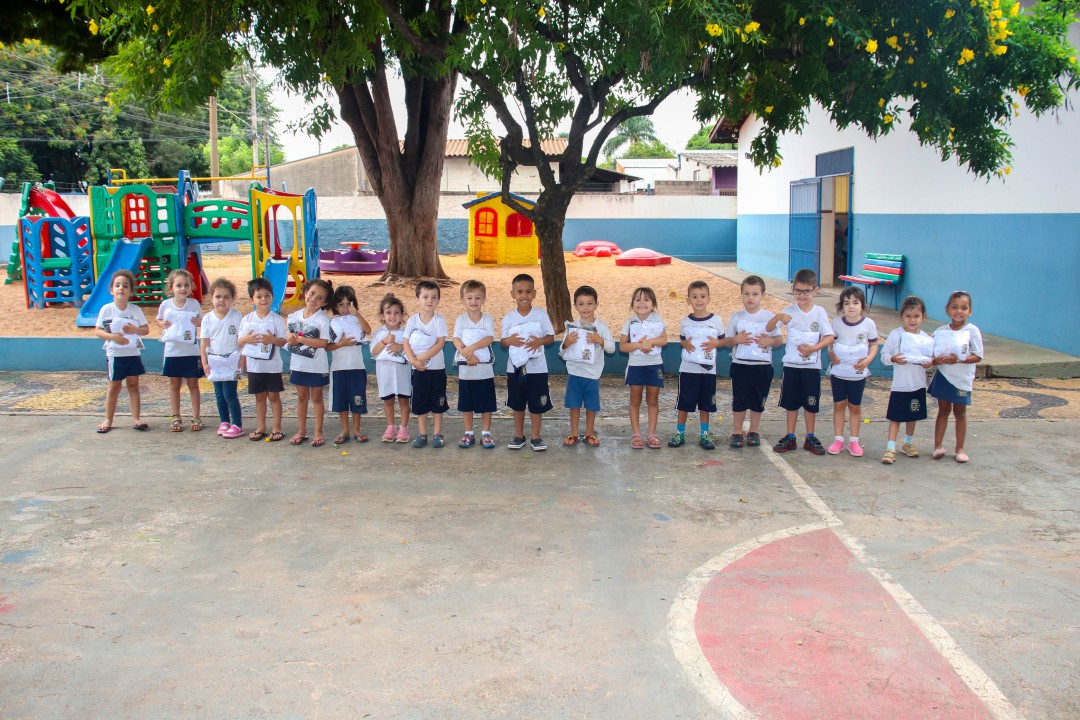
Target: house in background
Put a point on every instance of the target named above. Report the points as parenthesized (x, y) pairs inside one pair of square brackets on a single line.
[(719, 167), (498, 234), (1014, 244)]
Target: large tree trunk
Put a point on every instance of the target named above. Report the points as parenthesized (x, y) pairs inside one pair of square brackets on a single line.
[(406, 176), (550, 214)]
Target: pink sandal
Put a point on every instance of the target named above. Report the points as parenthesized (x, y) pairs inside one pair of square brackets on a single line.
[(636, 442)]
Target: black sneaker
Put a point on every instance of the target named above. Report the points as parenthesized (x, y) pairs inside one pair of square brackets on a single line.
[(753, 439), (786, 443), (813, 445), (516, 443), (538, 444)]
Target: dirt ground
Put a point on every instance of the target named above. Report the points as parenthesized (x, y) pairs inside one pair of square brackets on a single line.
[(613, 284)]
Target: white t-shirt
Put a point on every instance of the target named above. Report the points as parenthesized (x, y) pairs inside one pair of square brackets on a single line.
[(351, 357), (105, 321), (485, 327), (815, 321), (222, 332), (595, 369), (909, 376), (698, 329), (276, 323), (964, 342), (394, 378), (862, 335), (753, 323), (435, 328), (304, 358), (537, 315), (659, 329), (180, 348)]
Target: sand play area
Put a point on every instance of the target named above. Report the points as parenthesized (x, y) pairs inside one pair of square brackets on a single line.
[(614, 285)]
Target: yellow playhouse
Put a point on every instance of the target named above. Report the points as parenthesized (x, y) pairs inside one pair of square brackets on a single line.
[(498, 235)]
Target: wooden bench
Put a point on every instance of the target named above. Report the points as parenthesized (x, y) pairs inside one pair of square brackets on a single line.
[(879, 269)]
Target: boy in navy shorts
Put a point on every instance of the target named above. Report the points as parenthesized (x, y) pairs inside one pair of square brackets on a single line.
[(809, 331), (474, 332), (700, 334), (425, 335), (526, 331)]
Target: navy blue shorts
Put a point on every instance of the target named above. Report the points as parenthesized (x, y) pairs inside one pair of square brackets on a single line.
[(188, 366), (125, 366), (527, 391), (259, 383), (477, 396), (906, 406), (428, 392), (801, 388), (945, 391), (349, 392), (309, 379), (582, 392), (750, 385), (849, 391), (697, 391), (645, 375)]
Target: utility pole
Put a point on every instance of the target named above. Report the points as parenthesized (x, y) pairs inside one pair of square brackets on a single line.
[(215, 167), (254, 124)]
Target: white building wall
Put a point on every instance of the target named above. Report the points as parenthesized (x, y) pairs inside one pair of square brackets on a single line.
[(896, 175)]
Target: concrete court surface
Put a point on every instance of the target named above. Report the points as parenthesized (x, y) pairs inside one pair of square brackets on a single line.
[(149, 575)]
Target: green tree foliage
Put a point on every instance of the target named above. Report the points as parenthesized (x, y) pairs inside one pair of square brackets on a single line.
[(71, 127), (648, 150), (234, 154), (635, 131), (700, 141), (951, 72), (173, 55)]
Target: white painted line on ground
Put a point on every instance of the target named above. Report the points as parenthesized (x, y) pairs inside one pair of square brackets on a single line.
[(980, 684), (683, 634)]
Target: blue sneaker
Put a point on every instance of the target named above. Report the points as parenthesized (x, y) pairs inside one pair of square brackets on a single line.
[(467, 441)]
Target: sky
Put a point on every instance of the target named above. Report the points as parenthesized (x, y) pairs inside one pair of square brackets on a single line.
[(674, 122)]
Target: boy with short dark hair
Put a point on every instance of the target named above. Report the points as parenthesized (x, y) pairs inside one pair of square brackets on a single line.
[(700, 334), (809, 332), (751, 361), (583, 351), (425, 335), (526, 331), (474, 332)]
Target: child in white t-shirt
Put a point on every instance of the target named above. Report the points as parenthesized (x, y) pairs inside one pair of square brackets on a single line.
[(850, 355), (474, 333), (425, 336), (348, 376), (262, 335), (120, 324), (179, 318), (958, 346), (392, 370), (643, 337), (751, 361), (700, 334), (309, 369), (809, 332), (583, 350), (218, 335), (910, 351), (526, 331)]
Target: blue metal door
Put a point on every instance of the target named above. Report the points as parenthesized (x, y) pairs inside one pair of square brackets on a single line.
[(804, 226)]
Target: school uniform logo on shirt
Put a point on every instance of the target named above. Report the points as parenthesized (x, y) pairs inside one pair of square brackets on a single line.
[(861, 337), (814, 326), (232, 329)]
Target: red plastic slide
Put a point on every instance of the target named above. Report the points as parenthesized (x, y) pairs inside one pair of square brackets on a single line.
[(50, 203)]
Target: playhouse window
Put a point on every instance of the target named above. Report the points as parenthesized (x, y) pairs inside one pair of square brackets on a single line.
[(486, 221), (518, 225)]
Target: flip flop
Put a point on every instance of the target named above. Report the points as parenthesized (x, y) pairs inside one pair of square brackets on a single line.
[(318, 442), (636, 442), (570, 441), (361, 438), (257, 436), (274, 437), (140, 426), (339, 440), (298, 440), (592, 440), (103, 428)]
